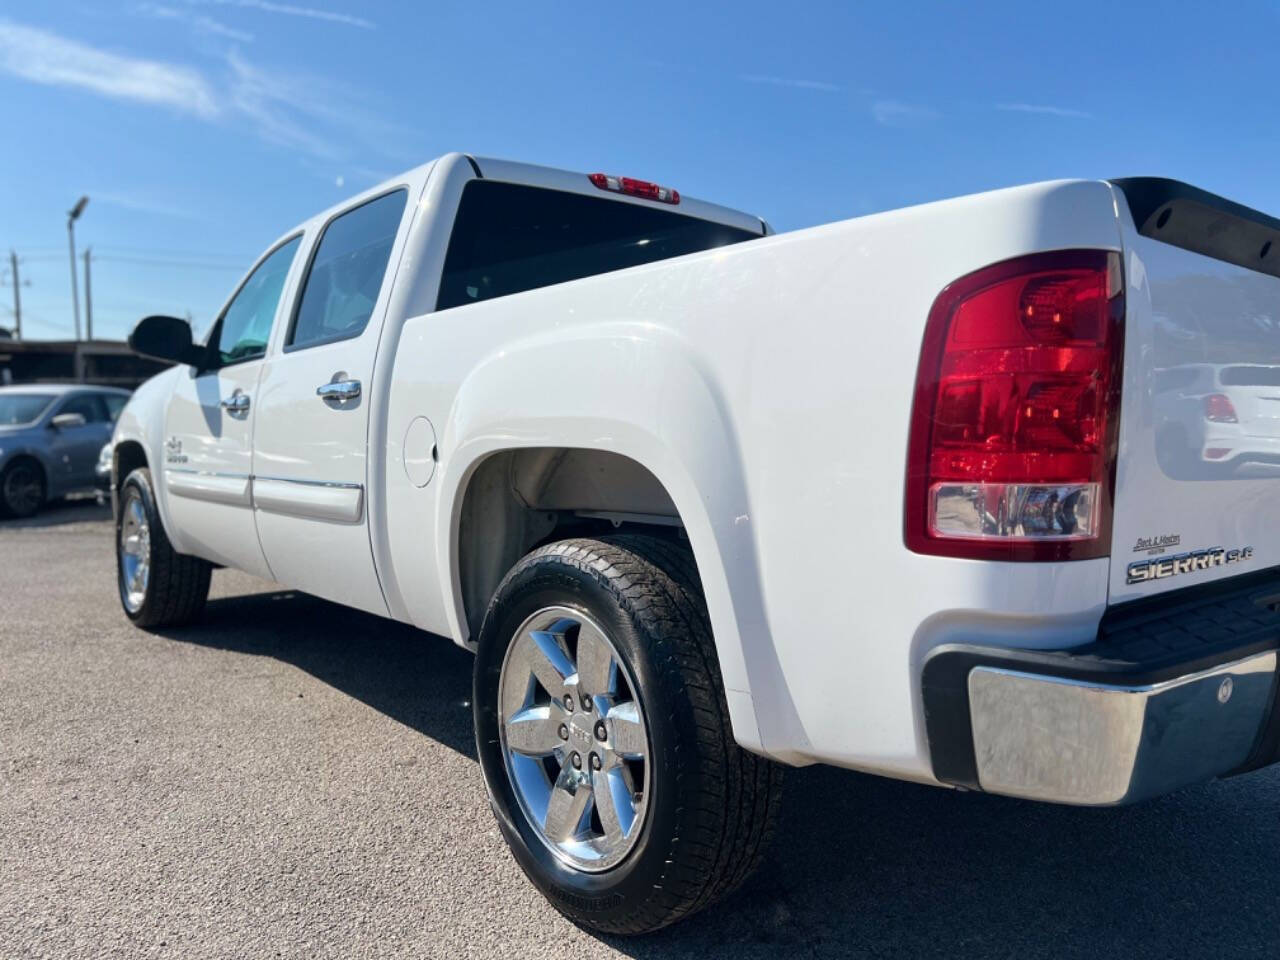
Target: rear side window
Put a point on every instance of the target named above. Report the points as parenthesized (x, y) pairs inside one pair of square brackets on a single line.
[(115, 403), (1250, 376), (508, 238), (346, 272)]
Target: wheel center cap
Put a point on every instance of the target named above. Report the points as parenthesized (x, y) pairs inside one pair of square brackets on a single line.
[(581, 732)]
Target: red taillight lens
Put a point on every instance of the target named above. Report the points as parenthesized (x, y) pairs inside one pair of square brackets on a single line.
[(1218, 408), (635, 188), (1013, 433)]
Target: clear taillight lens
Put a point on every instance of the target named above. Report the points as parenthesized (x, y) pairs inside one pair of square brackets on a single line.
[(1012, 449)]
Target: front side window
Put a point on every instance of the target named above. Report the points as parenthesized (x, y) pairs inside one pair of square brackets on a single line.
[(245, 327), (346, 272), (20, 408), (88, 405), (508, 238)]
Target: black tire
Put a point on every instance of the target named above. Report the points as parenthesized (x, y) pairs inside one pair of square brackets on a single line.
[(712, 805), (23, 490), (178, 585)]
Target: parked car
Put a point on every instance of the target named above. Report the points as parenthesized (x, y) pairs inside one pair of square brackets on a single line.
[(50, 438), (707, 501)]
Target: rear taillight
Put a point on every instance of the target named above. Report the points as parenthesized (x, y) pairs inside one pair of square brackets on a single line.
[(1218, 408), (1013, 432), (635, 188)]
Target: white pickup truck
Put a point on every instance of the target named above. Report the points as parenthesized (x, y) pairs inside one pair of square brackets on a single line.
[(907, 494)]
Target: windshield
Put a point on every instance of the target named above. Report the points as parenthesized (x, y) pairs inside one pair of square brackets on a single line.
[(18, 408)]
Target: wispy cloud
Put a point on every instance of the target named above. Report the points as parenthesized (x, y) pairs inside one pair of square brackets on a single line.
[(47, 58), (197, 21), (895, 113), (277, 107), (136, 204), (291, 10), (1045, 110), (792, 82)]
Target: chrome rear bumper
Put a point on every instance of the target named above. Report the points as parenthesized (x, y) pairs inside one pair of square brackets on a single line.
[(1080, 742), (1175, 689)]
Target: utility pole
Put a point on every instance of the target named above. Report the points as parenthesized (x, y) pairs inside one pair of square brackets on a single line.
[(17, 297), (88, 299)]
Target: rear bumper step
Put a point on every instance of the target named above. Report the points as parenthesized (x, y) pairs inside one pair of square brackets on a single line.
[(1173, 691)]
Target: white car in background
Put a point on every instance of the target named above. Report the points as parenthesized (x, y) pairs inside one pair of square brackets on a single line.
[(1218, 416)]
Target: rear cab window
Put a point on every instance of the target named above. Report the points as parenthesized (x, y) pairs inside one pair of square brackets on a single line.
[(508, 238)]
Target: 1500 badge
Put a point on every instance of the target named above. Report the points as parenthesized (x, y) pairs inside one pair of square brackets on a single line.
[(1161, 568)]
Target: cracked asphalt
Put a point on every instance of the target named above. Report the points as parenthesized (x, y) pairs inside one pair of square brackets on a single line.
[(292, 779)]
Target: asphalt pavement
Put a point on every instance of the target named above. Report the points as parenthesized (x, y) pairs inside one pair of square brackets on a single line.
[(292, 779)]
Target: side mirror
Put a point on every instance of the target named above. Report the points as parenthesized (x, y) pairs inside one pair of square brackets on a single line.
[(166, 338), (65, 421)]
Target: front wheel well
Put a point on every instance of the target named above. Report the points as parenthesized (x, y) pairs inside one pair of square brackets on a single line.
[(126, 457), (518, 500)]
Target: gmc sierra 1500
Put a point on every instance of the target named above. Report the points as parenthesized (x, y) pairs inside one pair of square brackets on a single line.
[(979, 493)]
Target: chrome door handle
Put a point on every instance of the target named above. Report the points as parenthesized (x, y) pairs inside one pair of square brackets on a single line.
[(238, 402), (339, 390)]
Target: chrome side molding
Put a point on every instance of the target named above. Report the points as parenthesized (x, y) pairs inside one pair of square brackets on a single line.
[(310, 500), (229, 489)]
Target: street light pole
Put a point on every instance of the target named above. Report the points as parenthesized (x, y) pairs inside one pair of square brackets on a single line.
[(88, 299), (72, 216)]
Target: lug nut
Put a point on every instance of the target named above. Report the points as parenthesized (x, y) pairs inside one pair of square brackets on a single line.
[(595, 761), (564, 732), (568, 702), (586, 703), (601, 732), (576, 760)]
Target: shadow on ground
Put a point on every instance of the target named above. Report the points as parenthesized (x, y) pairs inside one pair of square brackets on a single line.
[(864, 866), (57, 513)]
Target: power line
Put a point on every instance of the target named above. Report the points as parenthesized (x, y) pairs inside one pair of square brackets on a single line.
[(166, 262)]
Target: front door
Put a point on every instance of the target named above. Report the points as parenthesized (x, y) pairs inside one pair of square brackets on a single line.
[(208, 446), (311, 434), (75, 448)]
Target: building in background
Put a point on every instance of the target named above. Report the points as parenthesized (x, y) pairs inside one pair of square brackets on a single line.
[(102, 362)]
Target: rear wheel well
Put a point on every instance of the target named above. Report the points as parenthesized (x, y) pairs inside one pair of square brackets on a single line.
[(518, 500)]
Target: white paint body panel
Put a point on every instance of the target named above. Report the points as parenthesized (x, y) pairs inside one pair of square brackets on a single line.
[(767, 386)]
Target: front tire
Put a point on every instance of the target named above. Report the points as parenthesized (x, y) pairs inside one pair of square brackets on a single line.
[(604, 737), (158, 586)]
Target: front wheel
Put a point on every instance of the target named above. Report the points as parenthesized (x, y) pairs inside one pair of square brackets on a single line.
[(604, 737), (158, 586)]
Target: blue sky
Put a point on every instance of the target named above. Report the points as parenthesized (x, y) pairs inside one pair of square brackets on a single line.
[(202, 129)]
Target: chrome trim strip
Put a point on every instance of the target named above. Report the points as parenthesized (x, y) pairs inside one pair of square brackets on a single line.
[(1069, 741), (309, 500), (312, 483), (231, 489)]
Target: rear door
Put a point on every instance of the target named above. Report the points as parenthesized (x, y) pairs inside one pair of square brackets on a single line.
[(209, 424), (1198, 473), (310, 437)]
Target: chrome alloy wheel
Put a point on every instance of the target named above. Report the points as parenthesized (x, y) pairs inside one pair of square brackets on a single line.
[(135, 552), (574, 738)]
